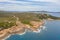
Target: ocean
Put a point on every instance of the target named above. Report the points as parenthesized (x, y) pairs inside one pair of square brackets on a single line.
[(51, 32)]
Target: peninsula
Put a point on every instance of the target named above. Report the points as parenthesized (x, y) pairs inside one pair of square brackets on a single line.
[(17, 23)]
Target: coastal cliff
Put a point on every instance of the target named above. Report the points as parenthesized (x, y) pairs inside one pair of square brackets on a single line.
[(20, 28), (17, 23)]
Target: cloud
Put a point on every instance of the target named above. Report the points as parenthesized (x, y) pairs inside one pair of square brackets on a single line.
[(46, 0), (29, 5), (37, 2), (55, 1), (4, 0), (14, 7)]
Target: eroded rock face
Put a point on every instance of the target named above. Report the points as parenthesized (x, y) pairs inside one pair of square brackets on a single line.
[(36, 25), (3, 34), (20, 28)]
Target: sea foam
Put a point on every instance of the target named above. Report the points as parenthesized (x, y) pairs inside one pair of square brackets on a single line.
[(40, 29)]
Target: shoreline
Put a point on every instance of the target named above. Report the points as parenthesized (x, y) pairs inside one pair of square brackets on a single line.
[(39, 30), (20, 29)]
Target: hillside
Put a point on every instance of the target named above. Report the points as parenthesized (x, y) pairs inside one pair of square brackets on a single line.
[(8, 19)]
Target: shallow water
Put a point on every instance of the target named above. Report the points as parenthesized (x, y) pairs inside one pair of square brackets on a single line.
[(52, 32)]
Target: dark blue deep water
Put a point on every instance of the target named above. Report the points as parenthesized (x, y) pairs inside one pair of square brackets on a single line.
[(52, 33)]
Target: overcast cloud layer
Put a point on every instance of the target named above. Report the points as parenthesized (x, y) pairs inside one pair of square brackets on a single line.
[(30, 5)]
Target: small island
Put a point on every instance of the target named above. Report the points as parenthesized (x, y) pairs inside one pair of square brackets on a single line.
[(17, 22)]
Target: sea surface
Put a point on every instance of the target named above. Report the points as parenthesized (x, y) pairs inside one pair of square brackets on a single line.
[(55, 14), (51, 32)]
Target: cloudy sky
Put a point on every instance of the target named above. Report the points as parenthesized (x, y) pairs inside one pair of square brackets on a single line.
[(30, 5)]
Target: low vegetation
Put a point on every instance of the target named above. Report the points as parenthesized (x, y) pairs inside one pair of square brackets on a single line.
[(6, 25), (8, 19)]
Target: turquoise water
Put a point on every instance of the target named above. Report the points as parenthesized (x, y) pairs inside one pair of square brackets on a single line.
[(52, 33)]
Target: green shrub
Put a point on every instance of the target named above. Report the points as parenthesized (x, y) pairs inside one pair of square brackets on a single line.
[(5, 25), (26, 22)]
